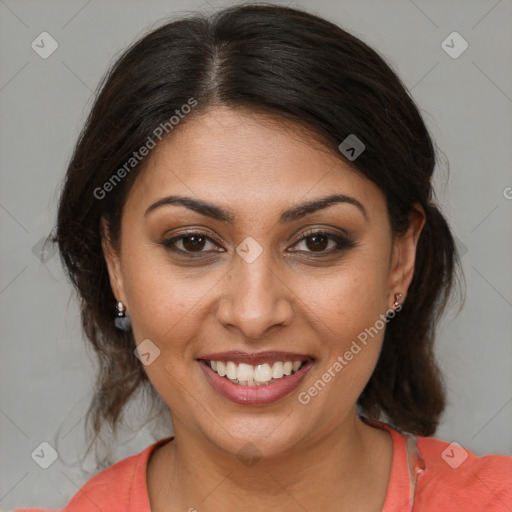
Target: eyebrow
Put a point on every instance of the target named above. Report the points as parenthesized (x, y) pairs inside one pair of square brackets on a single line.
[(223, 215)]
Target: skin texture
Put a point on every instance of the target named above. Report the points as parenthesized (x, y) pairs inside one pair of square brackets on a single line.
[(312, 456)]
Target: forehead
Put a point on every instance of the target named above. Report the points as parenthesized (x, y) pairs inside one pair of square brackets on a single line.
[(246, 161)]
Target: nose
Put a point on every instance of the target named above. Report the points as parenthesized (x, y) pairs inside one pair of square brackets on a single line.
[(255, 297)]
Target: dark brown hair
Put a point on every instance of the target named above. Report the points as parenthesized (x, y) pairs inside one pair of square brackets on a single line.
[(298, 67)]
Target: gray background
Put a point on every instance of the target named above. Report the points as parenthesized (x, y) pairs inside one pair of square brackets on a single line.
[(45, 368)]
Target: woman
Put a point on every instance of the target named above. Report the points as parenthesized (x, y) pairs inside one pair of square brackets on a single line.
[(250, 223)]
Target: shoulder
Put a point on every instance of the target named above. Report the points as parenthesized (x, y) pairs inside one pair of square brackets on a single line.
[(110, 486), (456, 477), (119, 488)]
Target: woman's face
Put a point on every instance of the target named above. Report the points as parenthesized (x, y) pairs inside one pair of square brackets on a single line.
[(247, 281)]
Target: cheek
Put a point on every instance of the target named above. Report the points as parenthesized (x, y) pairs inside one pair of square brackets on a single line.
[(163, 309), (349, 298), (163, 303), (348, 308)]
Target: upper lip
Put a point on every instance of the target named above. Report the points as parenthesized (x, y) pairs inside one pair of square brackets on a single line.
[(255, 358)]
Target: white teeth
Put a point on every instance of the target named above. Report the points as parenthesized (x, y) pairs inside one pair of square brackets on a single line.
[(245, 372), (262, 373), (259, 375), (231, 371), (221, 369), (277, 370)]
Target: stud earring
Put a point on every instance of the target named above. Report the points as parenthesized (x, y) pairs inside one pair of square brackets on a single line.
[(122, 321), (398, 297)]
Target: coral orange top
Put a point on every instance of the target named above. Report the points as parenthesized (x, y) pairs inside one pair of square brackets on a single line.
[(426, 475)]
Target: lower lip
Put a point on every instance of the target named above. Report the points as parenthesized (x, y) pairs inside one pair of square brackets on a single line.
[(254, 395)]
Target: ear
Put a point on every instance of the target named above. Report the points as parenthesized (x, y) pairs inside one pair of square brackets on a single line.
[(112, 259), (404, 253)]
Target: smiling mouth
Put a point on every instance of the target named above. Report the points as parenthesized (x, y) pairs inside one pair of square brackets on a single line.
[(256, 375)]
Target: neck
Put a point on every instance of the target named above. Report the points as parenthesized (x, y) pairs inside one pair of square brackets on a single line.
[(336, 467)]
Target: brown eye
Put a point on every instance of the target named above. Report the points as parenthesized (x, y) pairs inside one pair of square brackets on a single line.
[(190, 243), (193, 242), (318, 242)]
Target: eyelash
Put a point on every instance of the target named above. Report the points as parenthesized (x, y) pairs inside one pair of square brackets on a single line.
[(343, 243)]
